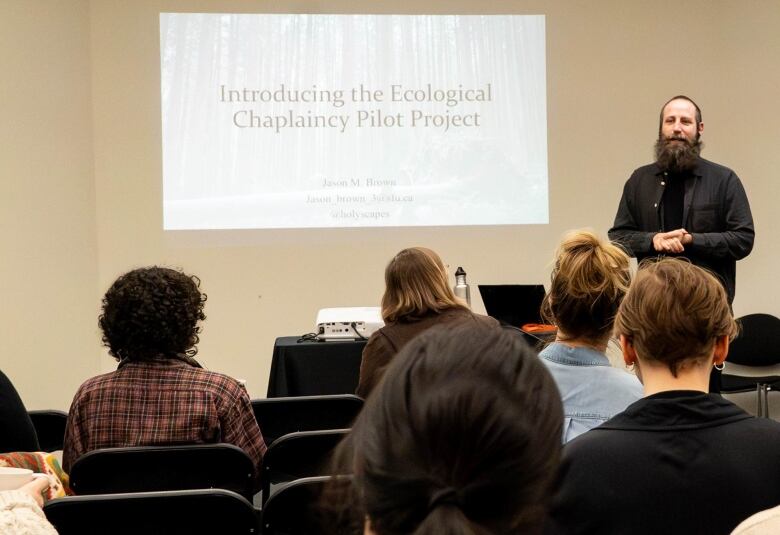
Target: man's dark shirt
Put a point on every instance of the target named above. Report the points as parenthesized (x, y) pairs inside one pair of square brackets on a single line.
[(674, 201), (715, 212)]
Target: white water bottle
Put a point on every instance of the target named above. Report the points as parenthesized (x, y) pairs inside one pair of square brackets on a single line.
[(461, 288)]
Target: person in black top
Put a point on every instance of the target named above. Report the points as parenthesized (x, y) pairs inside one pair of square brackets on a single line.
[(684, 205), (679, 460), (16, 430)]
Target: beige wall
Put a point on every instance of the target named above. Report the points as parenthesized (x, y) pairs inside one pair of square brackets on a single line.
[(48, 271), (611, 64)]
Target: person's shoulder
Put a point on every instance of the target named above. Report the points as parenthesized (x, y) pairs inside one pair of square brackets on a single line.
[(215, 383), (488, 321), (641, 179), (765, 426), (763, 434), (593, 451), (624, 388), (639, 173), (598, 443), (461, 314), (212, 377), (549, 350), (617, 384), (624, 378), (380, 332), (382, 337), (96, 383), (707, 167), (378, 339)]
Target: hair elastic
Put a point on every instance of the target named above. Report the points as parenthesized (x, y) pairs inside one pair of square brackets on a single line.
[(445, 496)]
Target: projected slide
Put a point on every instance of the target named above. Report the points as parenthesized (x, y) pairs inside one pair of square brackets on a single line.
[(315, 121)]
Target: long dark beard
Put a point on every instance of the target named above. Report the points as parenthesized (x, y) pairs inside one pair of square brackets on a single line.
[(677, 157)]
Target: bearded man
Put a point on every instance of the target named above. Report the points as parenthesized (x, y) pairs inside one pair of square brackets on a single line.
[(684, 205)]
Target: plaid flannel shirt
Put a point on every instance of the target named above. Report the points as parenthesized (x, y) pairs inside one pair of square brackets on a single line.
[(161, 403)]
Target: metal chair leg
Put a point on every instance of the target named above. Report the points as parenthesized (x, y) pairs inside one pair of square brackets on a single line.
[(759, 401), (767, 388)]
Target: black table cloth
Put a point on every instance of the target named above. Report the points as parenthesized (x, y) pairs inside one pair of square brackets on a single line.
[(314, 368)]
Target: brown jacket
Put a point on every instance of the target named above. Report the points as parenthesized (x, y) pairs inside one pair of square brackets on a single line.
[(383, 345)]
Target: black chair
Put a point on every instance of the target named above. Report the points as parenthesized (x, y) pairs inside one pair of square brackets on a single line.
[(294, 510), (298, 455), (165, 513), (157, 468), (753, 359), (280, 416), (50, 427)]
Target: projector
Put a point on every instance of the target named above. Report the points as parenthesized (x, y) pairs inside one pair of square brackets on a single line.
[(348, 323)]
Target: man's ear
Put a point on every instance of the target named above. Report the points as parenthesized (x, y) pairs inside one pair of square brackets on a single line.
[(627, 347), (700, 128), (721, 350)]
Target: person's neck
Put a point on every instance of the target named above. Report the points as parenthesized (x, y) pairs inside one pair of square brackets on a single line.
[(599, 345), (657, 377)]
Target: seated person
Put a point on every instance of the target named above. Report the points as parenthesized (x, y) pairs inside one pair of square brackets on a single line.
[(40, 462), (589, 280), (680, 460), (20, 510), (461, 436), (159, 394), (417, 297), (16, 430)]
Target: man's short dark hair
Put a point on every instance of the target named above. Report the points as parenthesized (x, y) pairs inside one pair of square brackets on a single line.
[(152, 313)]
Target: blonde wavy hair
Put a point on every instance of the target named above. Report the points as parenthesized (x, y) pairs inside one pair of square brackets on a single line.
[(415, 285), (589, 280), (674, 313)]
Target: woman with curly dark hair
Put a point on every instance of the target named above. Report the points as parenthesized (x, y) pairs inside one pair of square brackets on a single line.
[(159, 394)]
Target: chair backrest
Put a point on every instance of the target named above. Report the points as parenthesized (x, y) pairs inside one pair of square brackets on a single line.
[(298, 455), (50, 427), (170, 512), (156, 468), (294, 509), (280, 416), (758, 343)]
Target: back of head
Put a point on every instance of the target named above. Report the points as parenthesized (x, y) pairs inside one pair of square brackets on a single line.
[(588, 282), (461, 437), (416, 284), (151, 313), (674, 312)]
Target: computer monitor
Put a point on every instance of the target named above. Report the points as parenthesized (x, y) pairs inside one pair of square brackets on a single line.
[(513, 304)]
